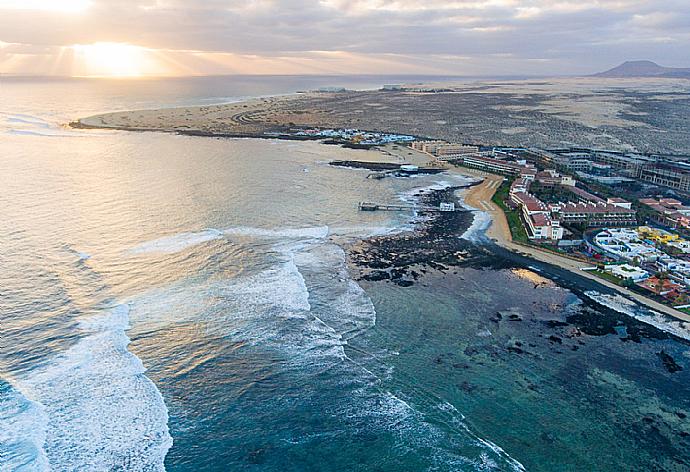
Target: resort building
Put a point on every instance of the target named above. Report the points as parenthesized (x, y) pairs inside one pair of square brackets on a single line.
[(630, 164), (668, 212), (444, 150), (542, 226), (550, 178), (673, 176), (498, 166), (536, 214), (597, 214), (584, 196)]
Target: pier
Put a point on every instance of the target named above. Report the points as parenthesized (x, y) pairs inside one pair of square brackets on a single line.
[(370, 206)]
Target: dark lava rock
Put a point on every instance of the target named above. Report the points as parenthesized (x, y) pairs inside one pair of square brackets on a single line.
[(514, 317), (669, 362), (377, 275), (556, 323), (555, 339), (404, 283), (257, 456), (515, 346), (471, 351)]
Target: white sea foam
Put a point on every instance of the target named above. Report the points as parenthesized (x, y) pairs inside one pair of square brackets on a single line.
[(22, 433), (316, 232), (363, 231), (477, 230), (28, 120), (176, 243), (102, 412), (182, 241), (624, 305)]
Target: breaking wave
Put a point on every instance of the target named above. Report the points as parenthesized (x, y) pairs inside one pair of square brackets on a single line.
[(22, 432), (477, 230), (92, 407), (317, 232), (624, 305), (176, 243), (180, 242)]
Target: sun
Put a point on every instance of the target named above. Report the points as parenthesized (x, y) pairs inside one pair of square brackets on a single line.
[(66, 6), (111, 60)]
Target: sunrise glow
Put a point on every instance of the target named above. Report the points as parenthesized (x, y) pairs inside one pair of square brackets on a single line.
[(113, 60), (67, 6)]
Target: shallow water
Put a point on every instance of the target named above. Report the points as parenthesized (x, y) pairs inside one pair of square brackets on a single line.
[(184, 303)]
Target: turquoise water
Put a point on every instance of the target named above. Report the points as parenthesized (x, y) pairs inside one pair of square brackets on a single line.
[(184, 304)]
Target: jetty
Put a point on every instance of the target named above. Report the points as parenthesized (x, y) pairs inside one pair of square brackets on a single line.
[(387, 168), (370, 206)]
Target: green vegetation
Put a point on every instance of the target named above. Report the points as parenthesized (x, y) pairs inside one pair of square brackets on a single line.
[(608, 276), (517, 229), (628, 283), (551, 194)]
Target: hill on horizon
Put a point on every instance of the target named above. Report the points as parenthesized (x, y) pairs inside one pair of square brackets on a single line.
[(645, 69)]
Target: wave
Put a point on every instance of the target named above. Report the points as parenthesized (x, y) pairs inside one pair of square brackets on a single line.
[(22, 432), (624, 305), (477, 230), (100, 411), (33, 122), (176, 243), (180, 242), (316, 232)]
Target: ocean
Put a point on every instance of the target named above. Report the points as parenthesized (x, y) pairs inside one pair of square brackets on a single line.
[(185, 304)]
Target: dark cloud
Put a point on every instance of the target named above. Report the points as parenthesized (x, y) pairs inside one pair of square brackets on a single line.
[(530, 36)]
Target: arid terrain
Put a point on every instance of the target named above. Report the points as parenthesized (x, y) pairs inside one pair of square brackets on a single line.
[(645, 115)]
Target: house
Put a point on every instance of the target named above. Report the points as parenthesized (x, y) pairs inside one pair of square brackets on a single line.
[(627, 272), (619, 202), (663, 287)]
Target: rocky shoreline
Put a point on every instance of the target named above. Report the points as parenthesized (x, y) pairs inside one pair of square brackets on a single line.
[(434, 244)]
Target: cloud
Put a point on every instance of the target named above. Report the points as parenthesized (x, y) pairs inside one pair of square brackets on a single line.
[(567, 36)]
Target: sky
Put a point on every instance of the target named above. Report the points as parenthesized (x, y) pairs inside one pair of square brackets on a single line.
[(130, 38)]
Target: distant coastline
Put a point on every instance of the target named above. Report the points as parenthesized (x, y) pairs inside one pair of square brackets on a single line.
[(530, 113)]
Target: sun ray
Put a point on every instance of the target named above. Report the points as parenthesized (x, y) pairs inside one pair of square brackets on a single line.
[(67, 6), (116, 60)]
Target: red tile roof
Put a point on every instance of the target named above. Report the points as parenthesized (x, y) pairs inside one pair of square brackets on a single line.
[(594, 208), (648, 201), (540, 219)]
